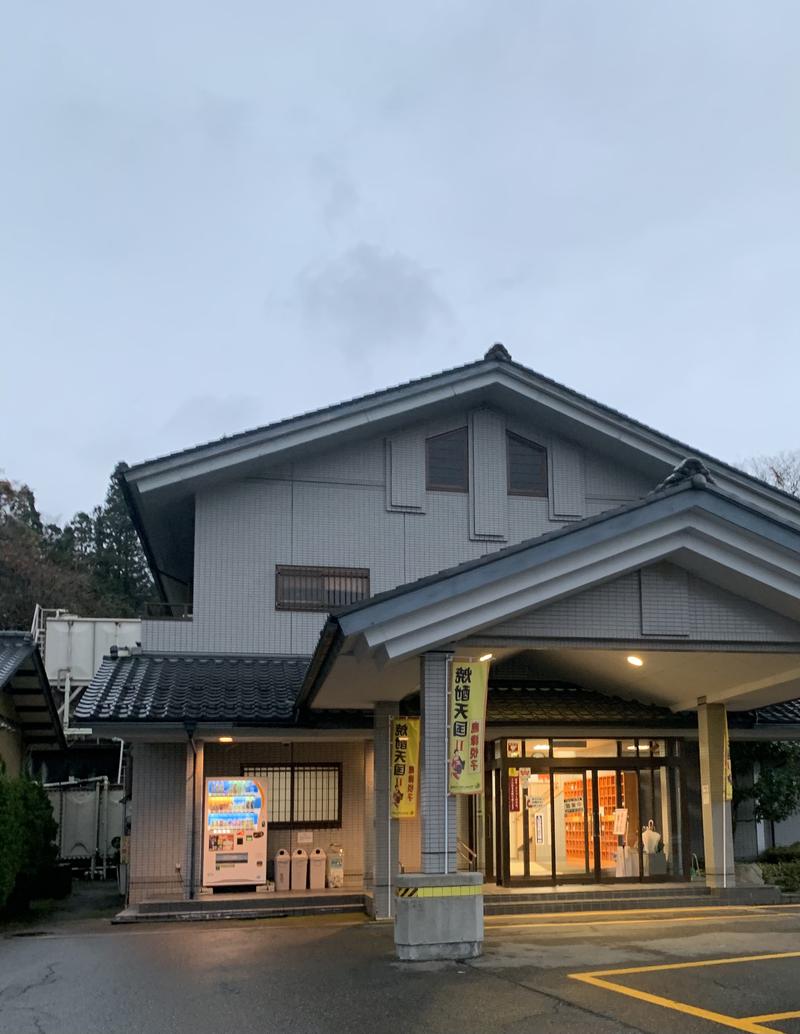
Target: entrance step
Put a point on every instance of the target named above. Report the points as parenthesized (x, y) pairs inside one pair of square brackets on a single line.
[(677, 896), (266, 906)]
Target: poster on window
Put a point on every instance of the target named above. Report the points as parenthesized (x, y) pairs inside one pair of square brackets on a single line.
[(513, 790), (468, 683), (405, 767)]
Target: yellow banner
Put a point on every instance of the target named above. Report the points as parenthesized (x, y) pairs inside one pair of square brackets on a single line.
[(468, 688), (405, 767), (727, 775)]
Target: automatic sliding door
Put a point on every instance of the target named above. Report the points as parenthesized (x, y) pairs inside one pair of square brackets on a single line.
[(572, 823)]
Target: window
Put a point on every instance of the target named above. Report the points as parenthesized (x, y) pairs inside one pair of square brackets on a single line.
[(301, 795), (527, 467), (319, 588), (446, 462)]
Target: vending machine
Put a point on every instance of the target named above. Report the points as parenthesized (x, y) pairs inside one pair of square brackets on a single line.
[(235, 832)]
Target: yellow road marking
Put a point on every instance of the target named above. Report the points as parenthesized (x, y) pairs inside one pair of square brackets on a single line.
[(749, 1024), (774, 1016), (724, 917)]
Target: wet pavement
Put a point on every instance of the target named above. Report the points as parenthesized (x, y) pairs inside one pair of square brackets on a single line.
[(339, 974)]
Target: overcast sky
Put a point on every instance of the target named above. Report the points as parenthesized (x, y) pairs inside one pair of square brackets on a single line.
[(215, 215)]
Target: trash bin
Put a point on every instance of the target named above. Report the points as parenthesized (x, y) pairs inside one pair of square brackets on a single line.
[(299, 869), (335, 866), (316, 869), (283, 862)]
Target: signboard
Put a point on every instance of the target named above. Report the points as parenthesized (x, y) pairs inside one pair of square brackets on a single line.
[(620, 821), (405, 767), (513, 791), (468, 683), (573, 804), (539, 825), (514, 749)]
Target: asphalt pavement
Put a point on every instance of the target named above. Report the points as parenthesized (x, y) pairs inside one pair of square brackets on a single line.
[(686, 971)]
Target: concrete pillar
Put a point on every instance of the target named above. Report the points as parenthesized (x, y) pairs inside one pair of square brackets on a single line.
[(386, 835), (717, 824), (438, 810), (439, 912), (193, 851)]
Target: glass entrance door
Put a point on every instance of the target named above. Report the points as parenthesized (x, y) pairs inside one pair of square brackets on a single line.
[(572, 796)]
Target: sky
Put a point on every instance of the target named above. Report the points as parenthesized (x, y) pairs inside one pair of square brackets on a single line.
[(216, 215)]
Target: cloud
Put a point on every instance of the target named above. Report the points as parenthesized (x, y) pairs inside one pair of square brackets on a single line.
[(202, 418), (368, 296)]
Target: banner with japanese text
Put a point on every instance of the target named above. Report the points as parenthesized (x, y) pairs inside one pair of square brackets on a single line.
[(468, 690), (405, 767)]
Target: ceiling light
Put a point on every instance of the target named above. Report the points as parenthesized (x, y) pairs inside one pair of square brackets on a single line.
[(226, 739), (487, 657), (632, 747), (637, 662)]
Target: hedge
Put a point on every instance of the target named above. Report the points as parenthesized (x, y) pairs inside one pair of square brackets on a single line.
[(785, 875), (787, 853), (27, 840)]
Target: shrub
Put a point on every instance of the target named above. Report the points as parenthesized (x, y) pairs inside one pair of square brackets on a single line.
[(785, 875), (787, 853), (27, 835)]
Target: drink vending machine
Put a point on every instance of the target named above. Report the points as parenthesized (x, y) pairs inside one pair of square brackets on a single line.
[(235, 832)]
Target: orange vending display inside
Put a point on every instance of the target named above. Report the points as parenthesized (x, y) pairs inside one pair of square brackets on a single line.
[(235, 832)]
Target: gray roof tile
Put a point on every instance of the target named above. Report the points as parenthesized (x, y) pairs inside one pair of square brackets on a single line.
[(194, 687)]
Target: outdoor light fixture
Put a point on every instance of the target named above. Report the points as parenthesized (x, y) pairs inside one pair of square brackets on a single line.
[(486, 657), (637, 662), (226, 739)]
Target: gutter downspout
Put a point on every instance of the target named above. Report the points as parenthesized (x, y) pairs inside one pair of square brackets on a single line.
[(190, 727)]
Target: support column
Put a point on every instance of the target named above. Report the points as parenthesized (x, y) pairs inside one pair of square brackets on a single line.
[(717, 824), (438, 810), (193, 850), (386, 831), (439, 912)]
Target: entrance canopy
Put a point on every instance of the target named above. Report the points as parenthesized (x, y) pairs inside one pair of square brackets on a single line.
[(700, 586)]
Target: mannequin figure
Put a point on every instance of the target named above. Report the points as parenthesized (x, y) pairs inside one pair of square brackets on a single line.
[(650, 838)]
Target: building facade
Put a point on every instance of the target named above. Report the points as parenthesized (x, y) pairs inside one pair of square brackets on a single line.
[(319, 576)]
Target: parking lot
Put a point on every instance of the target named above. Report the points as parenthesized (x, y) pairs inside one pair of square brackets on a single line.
[(691, 971)]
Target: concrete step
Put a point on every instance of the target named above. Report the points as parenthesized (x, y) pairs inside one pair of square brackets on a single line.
[(510, 905), (224, 906), (688, 890)]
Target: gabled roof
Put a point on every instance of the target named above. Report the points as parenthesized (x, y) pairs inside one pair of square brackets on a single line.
[(23, 677), (739, 546), (159, 491)]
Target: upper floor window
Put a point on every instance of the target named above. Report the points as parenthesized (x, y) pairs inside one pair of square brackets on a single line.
[(319, 588), (527, 467), (447, 462)]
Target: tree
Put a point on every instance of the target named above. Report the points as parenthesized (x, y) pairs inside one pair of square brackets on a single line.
[(775, 789), (93, 566), (781, 470)]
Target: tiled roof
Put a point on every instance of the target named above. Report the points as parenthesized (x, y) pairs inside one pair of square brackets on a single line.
[(15, 647), (194, 687), (23, 678), (557, 705), (787, 713)]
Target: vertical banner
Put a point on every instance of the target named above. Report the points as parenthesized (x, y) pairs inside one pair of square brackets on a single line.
[(468, 689), (727, 774), (405, 767)]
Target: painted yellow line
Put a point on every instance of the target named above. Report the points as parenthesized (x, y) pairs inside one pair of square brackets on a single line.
[(649, 911), (639, 922), (749, 1024), (774, 1016), (697, 964)]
